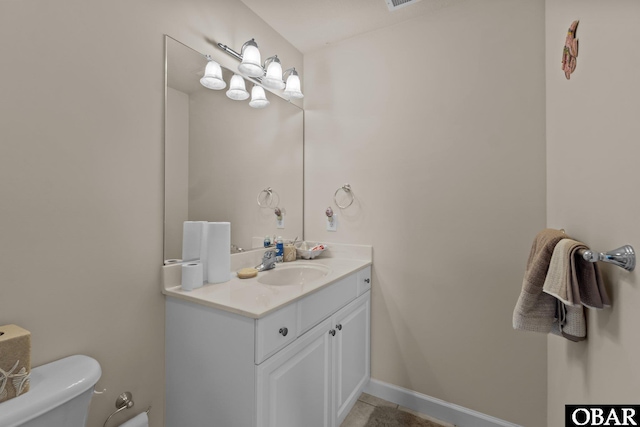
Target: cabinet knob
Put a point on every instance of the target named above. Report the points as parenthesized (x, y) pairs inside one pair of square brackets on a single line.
[(339, 327), (284, 331), (332, 332), (367, 280)]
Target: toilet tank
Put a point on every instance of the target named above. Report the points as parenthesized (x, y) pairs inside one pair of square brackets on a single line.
[(59, 395)]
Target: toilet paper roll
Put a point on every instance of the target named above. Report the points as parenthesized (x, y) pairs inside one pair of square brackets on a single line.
[(191, 240), (191, 276), (140, 420), (218, 252)]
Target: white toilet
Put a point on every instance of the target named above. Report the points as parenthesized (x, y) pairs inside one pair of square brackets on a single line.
[(59, 395)]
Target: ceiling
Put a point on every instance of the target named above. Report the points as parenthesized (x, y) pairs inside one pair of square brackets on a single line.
[(312, 24)]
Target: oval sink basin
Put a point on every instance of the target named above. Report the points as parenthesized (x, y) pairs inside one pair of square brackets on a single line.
[(297, 274)]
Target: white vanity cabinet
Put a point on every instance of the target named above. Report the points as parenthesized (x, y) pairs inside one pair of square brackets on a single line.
[(316, 380), (351, 355), (303, 365)]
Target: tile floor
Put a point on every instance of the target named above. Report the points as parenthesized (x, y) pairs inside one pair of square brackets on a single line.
[(363, 408)]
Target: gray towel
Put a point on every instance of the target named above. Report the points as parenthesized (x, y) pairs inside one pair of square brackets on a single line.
[(593, 294), (535, 310), (570, 322), (575, 283)]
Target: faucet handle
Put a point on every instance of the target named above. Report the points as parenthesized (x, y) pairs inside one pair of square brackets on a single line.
[(268, 261)]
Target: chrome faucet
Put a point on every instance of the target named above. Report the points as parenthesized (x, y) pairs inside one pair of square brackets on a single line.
[(268, 261)]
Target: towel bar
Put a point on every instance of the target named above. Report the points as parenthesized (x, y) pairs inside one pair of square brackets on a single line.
[(624, 257)]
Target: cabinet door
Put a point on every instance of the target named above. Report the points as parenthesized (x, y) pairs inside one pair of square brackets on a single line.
[(294, 385), (351, 354)]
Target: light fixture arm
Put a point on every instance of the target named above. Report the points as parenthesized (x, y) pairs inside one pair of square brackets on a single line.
[(230, 51), (235, 54), (269, 60), (291, 70), (251, 42)]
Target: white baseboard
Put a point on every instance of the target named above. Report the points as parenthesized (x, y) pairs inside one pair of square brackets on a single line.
[(436, 408)]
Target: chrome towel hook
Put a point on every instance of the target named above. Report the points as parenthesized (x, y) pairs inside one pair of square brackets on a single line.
[(623, 256)]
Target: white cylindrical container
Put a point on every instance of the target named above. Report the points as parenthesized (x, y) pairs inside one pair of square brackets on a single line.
[(191, 276), (218, 252), (191, 240), (203, 250)]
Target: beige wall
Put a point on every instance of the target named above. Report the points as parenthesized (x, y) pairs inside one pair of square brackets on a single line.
[(438, 124), (81, 175), (592, 160)]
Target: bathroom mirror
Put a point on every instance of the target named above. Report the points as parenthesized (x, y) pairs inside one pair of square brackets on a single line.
[(221, 154)]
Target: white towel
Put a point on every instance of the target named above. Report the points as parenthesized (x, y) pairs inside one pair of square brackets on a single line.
[(140, 420), (561, 281)]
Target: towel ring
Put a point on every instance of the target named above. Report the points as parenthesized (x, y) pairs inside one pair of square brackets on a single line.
[(347, 189), (266, 197)]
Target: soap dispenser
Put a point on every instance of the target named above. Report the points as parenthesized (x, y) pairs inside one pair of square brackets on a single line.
[(279, 249)]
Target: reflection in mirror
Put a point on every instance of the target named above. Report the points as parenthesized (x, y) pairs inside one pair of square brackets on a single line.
[(220, 154)]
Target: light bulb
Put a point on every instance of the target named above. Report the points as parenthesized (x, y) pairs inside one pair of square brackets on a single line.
[(250, 65), (213, 76), (258, 98), (273, 78), (293, 86), (237, 90)]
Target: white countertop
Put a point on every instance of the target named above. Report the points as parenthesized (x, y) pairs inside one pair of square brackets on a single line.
[(249, 298)]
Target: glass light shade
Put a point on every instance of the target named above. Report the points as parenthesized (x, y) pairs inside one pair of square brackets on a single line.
[(213, 76), (237, 90), (293, 87), (250, 65), (258, 98), (273, 79)]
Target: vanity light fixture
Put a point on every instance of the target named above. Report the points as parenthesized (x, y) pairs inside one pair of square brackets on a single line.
[(258, 97), (212, 78), (237, 90), (273, 78)]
